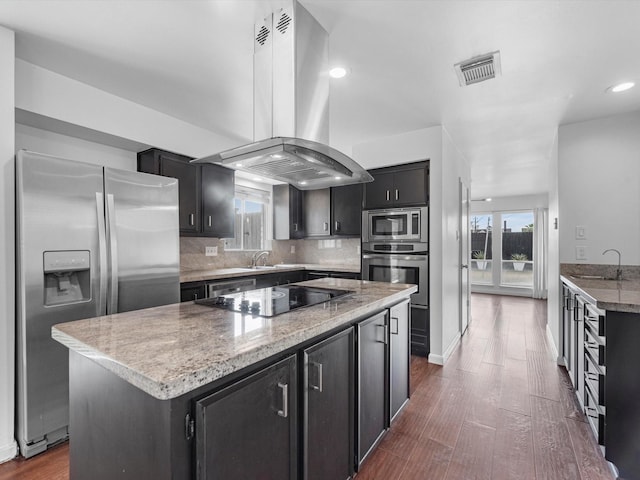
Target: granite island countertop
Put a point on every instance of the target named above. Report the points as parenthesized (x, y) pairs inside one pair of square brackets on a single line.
[(173, 349), (233, 272), (619, 296)]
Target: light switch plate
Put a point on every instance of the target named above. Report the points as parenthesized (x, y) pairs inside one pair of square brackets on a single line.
[(581, 252), (211, 251), (581, 232)]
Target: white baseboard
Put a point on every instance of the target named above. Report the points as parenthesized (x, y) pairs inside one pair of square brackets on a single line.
[(554, 348), (441, 359), (8, 452)]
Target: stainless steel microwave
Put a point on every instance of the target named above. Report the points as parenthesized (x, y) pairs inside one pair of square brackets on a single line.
[(396, 224)]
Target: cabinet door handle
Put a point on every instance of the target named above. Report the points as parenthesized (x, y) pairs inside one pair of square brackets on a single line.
[(337, 226), (209, 220), (284, 388), (386, 334), (318, 387), (195, 296), (397, 325), (325, 226), (388, 197), (192, 219), (295, 227), (397, 195)]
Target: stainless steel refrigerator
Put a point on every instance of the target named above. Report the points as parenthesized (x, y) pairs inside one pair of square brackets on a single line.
[(91, 241)]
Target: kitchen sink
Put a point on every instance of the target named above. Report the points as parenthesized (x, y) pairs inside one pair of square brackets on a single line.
[(262, 267)]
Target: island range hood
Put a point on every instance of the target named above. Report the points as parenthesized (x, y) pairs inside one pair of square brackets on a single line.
[(291, 107)]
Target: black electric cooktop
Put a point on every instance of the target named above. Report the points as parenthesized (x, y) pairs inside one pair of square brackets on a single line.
[(272, 301)]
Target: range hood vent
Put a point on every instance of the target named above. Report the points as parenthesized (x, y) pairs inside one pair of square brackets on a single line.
[(478, 69), (291, 107)]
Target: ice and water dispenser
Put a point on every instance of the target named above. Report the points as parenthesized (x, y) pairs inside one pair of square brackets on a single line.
[(67, 277)]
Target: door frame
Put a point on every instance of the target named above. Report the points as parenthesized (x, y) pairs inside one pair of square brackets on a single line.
[(464, 255)]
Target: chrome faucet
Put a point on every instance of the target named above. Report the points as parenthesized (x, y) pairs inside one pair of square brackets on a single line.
[(619, 270), (257, 256)]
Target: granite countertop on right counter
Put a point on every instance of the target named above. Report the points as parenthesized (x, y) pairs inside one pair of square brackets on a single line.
[(606, 293)]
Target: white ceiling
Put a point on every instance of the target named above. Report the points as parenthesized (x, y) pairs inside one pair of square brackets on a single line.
[(193, 60)]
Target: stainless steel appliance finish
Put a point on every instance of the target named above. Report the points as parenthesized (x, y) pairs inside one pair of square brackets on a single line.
[(215, 289), (291, 107), (399, 268), (91, 241), (396, 224)]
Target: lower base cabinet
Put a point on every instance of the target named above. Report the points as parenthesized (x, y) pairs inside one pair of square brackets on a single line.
[(328, 388), (399, 357), (372, 339), (249, 429)]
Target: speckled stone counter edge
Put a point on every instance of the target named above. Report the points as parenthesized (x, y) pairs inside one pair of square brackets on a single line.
[(222, 273), (305, 324), (623, 296)]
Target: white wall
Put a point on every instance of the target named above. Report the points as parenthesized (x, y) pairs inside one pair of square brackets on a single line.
[(454, 167), (64, 146), (446, 165), (553, 253), (7, 245), (599, 188)]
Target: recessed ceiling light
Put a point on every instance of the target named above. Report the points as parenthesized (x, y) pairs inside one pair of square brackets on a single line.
[(277, 155), (337, 72), (487, 199), (303, 183), (338, 178), (257, 179), (238, 164), (621, 87)]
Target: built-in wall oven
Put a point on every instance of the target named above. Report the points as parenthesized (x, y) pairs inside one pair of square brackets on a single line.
[(403, 262)]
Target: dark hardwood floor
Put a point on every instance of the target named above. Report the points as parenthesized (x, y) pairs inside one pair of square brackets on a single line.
[(500, 409)]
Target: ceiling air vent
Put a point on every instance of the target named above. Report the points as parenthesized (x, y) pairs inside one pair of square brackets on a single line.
[(478, 69)]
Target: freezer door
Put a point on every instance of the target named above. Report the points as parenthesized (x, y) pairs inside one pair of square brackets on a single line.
[(59, 207), (143, 240)]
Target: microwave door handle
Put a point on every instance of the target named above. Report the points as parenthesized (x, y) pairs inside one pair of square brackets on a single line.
[(410, 258)]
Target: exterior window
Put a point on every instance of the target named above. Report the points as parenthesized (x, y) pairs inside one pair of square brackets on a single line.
[(251, 229)]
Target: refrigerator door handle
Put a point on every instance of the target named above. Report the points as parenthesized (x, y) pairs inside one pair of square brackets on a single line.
[(102, 256), (112, 305)]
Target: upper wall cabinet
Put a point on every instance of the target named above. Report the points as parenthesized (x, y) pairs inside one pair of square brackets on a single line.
[(398, 186), (205, 192), (288, 220), (346, 210)]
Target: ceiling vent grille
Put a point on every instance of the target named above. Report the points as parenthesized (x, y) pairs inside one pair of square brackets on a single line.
[(478, 69)]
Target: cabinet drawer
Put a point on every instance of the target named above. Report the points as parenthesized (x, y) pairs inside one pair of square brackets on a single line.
[(595, 346), (595, 377), (595, 415), (595, 318)]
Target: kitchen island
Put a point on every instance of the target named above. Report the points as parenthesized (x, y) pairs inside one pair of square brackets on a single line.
[(144, 385), (601, 330)]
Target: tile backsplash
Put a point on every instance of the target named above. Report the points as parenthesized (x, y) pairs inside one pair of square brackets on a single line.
[(340, 251)]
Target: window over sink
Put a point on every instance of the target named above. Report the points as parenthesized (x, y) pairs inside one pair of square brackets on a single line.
[(252, 207)]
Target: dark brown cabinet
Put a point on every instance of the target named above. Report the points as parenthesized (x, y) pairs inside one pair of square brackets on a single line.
[(288, 219), (218, 190), (399, 357), (192, 291), (372, 340), (249, 429), (398, 186), (346, 210), (333, 211), (205, 192), (328, 408)]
